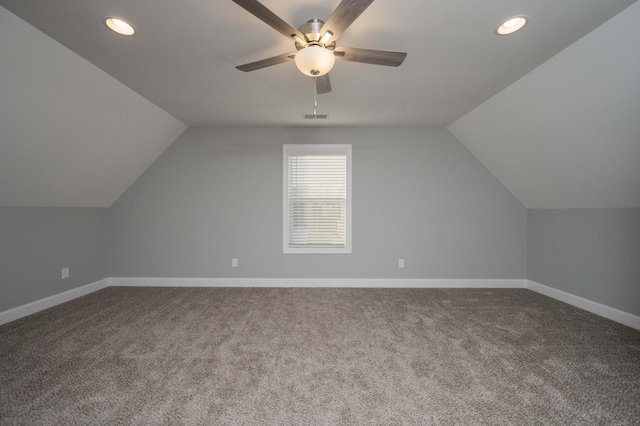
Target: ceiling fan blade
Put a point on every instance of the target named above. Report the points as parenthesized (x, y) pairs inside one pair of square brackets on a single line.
[(344, 15), (258, 10), (323, 84), (368, 56), (274, 60)]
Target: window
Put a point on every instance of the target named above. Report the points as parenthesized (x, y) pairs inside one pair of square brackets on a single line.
[(317, 198)]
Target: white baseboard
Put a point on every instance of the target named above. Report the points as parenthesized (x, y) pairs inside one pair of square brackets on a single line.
[(48, 302), (316, 282), (588, 305)]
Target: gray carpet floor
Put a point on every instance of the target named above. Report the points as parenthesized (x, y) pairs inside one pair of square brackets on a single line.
[(318, 356)]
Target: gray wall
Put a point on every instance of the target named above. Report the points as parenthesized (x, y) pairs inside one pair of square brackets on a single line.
[(591, 253), (418, 194), (36, 243)]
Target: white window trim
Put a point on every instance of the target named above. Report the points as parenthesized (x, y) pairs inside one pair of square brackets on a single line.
[(314, 149)]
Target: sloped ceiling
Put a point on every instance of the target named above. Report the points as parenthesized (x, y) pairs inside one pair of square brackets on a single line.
[(70, 134), (567, 135), (78, 130), (184, 54)]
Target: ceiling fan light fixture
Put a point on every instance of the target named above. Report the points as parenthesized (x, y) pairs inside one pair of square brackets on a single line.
[(119, 26), (326, 37), (511, 25), (315, 60)]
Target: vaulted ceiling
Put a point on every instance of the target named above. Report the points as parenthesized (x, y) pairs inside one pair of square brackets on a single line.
[(84, 111), (567, 135)]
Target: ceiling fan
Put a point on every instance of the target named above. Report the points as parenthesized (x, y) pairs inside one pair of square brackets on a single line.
[(315, 42)]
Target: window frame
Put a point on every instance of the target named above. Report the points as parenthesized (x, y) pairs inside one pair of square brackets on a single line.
[(315, 149)]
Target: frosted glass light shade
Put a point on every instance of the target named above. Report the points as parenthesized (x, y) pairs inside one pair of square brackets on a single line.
[(315, 61)]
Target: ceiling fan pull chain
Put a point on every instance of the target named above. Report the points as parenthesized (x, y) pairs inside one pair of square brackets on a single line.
[(315, 97)]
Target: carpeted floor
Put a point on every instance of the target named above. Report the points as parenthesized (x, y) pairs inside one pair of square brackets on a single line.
[(318, 356)]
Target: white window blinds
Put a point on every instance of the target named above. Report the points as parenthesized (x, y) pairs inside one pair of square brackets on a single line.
[(317, 198)]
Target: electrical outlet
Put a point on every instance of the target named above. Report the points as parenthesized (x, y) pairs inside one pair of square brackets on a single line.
[(400, 263), (65, 273), (234, 263)]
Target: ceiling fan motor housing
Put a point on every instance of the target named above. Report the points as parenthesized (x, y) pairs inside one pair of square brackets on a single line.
[(311, 31)]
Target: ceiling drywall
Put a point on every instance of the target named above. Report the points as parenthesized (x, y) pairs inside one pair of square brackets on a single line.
[(78, 130), (567, 135), (70, 134), (184, 55)]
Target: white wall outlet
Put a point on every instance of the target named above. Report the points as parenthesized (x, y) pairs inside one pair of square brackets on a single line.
[(65, 273), (400, 263), (234, 263)]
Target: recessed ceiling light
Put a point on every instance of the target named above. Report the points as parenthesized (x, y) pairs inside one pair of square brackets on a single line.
[(511, 25), (120, 26)]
